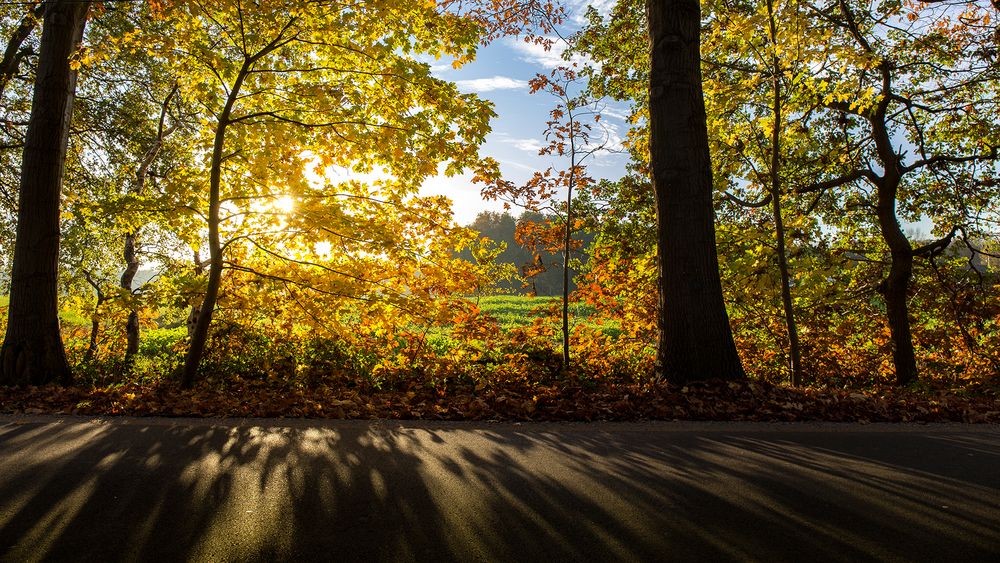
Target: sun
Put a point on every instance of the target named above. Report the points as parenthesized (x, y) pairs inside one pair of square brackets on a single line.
[(285, 204)]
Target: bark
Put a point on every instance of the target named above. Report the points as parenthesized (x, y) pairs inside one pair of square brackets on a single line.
[(95, 323), (896, 285), (199, 336), (567, 240), (794, 353), (95, 329), (694, 338), (131, 268), (129, 252), (895, 289), (32, 351)]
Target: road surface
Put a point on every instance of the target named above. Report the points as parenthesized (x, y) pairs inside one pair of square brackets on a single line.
[(83, 489)]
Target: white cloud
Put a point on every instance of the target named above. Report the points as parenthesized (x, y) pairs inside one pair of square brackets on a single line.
[(549, 58), (518, 165), (578, 8), (438, 70), (617, 113), (530, 145), (491, 84)]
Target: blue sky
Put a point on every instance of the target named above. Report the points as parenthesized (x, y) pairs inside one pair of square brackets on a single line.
[(500, 74)]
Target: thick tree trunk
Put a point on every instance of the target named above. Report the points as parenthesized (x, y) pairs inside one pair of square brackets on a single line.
[(694, 338), (32, 350)]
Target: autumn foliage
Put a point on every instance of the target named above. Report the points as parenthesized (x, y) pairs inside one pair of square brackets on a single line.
[(271, 155)]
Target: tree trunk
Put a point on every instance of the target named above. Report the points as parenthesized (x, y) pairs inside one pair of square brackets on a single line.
[(567, 239), (895, 289), (694, 338), (129, 252), (897, 284), (200, 335), (32, 351), (95, 328), (794, 354), (95, 322), (132, 324)]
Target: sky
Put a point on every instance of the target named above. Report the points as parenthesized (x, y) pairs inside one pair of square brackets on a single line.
[(500, 74)]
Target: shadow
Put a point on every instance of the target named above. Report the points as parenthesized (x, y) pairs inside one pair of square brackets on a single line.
[(173, 490)]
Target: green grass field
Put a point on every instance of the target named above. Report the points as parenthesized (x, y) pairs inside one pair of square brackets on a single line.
[(514, 311), (511, 312)]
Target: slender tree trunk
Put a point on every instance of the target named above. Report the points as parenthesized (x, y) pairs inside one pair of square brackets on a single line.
[(567, 239), (95, 327), (694, 338), (129, 252), (95, 322), (794, 354), (565, 277), (132, 324), (32, 351), (200, 336)]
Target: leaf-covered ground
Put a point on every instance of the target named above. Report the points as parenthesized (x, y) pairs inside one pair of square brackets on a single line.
[(569, 401)]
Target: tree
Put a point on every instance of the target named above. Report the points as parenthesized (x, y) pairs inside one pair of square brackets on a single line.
[(570, 133), (890, 80), (129, 251), (131, 131), (694, 340), (940, 59), (290, 87), (752, 52), (32, 350)]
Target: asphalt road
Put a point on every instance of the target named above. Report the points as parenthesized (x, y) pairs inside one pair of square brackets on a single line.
[(80, 489)]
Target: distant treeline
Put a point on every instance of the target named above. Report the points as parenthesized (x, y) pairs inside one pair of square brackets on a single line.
[(502, 227)]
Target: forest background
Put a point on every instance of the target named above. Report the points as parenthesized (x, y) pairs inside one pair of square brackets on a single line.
[(242, 228)]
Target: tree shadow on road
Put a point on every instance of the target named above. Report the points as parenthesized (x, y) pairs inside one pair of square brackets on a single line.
[(158, 490)]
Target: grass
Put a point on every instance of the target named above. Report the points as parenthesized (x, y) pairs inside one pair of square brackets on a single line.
[(519, 310), (159, 348), (514, 311)]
